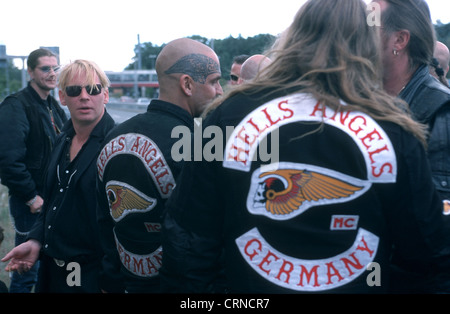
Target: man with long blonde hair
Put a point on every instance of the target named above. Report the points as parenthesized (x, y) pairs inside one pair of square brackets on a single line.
[(351, 181)]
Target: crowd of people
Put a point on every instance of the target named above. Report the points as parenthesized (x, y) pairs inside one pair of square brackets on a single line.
[(358, 115)]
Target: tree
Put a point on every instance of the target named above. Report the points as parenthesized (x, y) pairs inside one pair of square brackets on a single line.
[(226, 50), (10, 79)]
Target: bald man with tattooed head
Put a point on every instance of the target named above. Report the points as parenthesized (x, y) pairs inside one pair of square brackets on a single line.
[(136, 171)]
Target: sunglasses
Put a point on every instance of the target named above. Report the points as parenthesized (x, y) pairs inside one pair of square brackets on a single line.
[(47, 68), (234, 77), (75, 90)]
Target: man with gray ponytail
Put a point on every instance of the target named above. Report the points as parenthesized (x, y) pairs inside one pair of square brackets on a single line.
[(409, 41)]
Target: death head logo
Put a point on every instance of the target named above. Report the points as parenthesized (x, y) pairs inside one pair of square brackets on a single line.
[(124, 199), (293, 188)]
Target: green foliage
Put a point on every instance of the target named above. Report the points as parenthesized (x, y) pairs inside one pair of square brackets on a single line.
[(226, 49), (10, 80)]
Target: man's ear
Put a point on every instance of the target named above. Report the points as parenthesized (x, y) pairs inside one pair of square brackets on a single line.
[(402, 39), (62, 97), (186, 84)]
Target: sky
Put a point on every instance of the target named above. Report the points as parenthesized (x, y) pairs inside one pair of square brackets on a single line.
[(106, 31)]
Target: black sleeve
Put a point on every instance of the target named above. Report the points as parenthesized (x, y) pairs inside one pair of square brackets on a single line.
[(111, 279), (191, 233), (14, 128), (417, 224)]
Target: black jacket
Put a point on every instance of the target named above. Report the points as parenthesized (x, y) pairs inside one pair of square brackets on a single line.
[(332, 199), (27, 138), (137, 172), (429, 101), (67, 226)]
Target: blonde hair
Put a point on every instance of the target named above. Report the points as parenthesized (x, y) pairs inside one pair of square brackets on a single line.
[(331, 52), (82, 68)]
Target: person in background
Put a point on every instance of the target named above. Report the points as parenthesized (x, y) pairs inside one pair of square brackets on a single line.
[(235, 71), (252, 66), (441, 63), (349, 186), (409, 40), (138, 165), (65, 236), (30, 121), (3, 287)]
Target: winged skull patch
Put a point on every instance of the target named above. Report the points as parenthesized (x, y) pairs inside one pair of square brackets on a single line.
[(292, 188), (124, 199)]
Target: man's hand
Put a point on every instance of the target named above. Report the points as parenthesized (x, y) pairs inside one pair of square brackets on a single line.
[(22, 257)]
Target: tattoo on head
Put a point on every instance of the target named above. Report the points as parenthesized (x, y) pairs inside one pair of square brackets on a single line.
[(197, 66)]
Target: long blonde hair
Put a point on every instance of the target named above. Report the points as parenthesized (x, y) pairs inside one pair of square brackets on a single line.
[(331, 52)]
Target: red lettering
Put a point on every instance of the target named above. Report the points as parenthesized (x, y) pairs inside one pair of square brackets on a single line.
[(158, 164), (377, 152), (267, 260), (285, 271), (356, 131), (151, 266), (386, 165), (270, 118), (246, 137), (238, 153), (349, 222), (291, 112), (356, 264), (319, 108), (338, 222), (135, 146), (254, 253), (256, 126), (304, 272), (365, 247), (331, 272), (370, 137), (138, 266)]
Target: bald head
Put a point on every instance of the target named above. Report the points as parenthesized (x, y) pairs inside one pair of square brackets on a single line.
[(253, 65), (442, 54), (188, 74), (187, 56)]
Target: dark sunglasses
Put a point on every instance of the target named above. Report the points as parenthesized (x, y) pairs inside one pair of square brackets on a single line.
[(234, 77), (75, 90), (47, 68)]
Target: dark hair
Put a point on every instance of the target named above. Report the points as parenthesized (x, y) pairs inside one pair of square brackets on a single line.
[(240, 59), (414, 16), (439, 72), (33, 58)]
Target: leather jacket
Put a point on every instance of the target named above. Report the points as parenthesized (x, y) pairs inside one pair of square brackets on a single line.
[(243, 225), (27, 140), (429, 101)]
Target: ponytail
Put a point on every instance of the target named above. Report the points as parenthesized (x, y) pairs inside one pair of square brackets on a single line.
[(439, 71)]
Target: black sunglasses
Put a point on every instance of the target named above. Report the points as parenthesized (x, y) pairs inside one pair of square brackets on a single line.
[(234, 77), (47, 68), (75, 90)]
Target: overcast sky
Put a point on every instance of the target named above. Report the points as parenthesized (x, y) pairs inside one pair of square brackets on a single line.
[(107, 31)]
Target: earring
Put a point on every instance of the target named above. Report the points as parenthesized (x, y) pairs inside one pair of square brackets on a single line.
[(395, 51)]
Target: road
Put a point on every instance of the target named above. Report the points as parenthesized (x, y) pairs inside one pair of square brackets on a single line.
[(123, 111)]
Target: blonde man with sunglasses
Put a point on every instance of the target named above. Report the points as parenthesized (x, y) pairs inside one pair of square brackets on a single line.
[(65, 235), (30, 120)]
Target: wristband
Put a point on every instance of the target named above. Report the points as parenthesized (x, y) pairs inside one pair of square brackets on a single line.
[(32, 201)]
